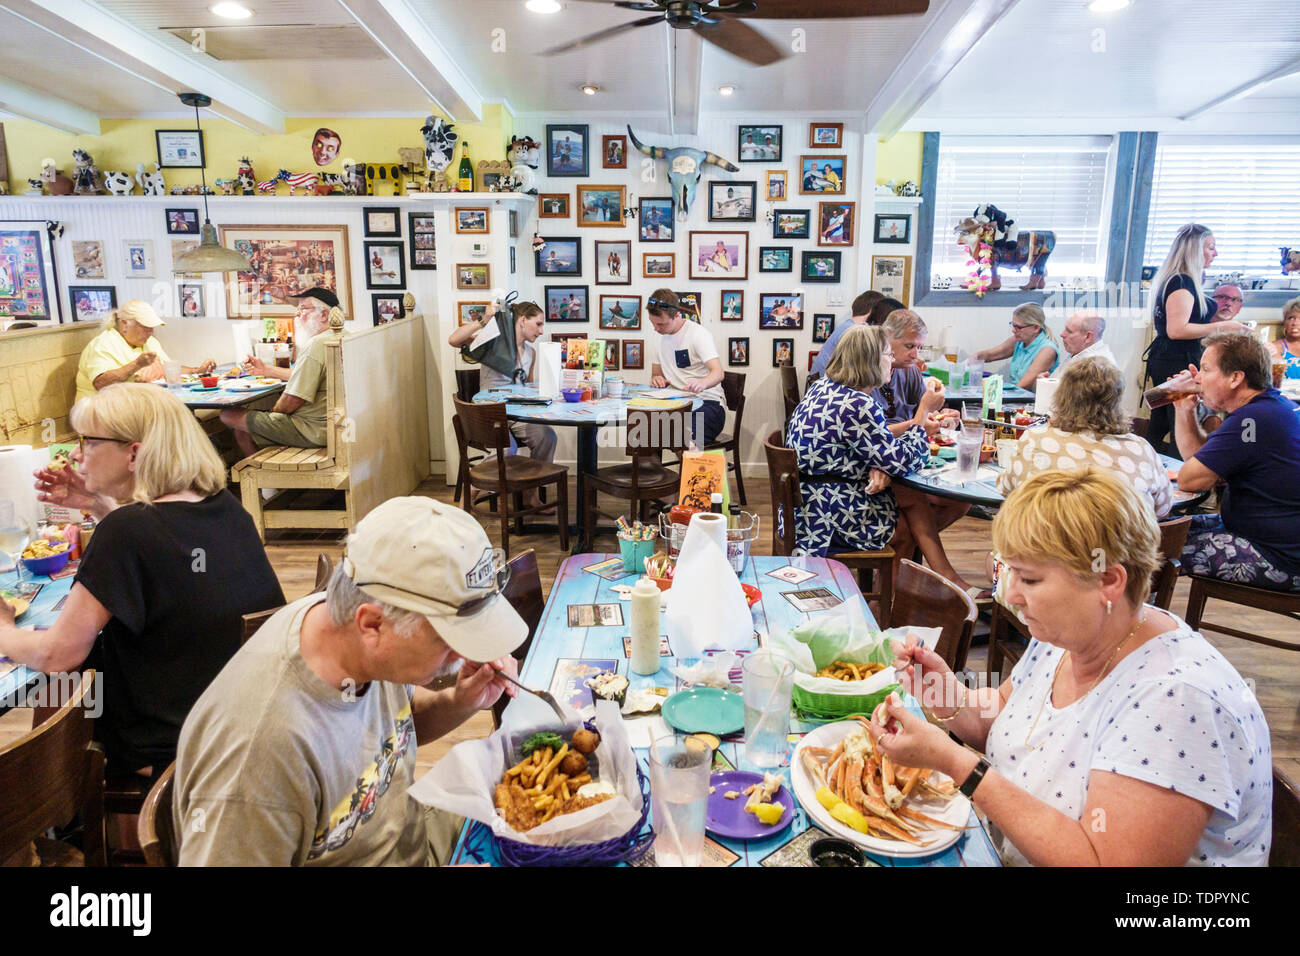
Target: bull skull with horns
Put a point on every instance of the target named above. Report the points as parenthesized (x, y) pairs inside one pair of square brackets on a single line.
[(685, 164)]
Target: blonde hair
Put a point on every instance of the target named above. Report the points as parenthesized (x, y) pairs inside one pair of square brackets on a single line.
[(1032, 313), (857, 358), (1077, 519), (1186, 257), (1290, 307), (175, 455), (1088, 398)]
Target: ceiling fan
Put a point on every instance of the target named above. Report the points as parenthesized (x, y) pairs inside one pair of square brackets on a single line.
[(721, 22)]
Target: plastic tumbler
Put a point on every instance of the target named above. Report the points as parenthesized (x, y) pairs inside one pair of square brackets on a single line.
[(768, 684), (968, 453), (679, 794), (172, 372)]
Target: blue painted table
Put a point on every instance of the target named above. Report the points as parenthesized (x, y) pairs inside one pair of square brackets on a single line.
[(41, 614), (557, 641), (975, 393), (223, 397)]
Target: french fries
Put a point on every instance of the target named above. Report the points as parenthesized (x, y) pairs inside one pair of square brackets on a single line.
[(534, 791), (847, 670)]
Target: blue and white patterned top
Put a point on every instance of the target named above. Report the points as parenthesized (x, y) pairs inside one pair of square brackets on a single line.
[(837, 430)]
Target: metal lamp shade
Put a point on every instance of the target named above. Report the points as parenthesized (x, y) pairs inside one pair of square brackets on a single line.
[(210, 256)]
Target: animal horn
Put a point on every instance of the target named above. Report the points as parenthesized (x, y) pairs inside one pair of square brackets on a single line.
[(658, 152), (717, 160)]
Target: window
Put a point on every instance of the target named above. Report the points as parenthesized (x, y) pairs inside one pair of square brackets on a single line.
[(1245, 191), (1055, 183)]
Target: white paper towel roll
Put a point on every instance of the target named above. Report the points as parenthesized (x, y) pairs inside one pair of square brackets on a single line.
[(1044, 394), (548, 369), (706, 606), (17, 462)]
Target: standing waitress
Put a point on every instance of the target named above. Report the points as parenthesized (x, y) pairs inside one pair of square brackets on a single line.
[(1182, 315)]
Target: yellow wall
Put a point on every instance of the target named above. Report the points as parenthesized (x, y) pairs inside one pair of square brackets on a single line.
[(124, 143), (899, 158)]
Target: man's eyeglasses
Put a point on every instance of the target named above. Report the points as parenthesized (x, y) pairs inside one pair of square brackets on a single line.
[(1220, 297), (82, 439)]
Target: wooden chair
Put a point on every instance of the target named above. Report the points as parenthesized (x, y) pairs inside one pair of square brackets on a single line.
[(467, 460), (524, 592), (1139, 426), (789, 390), (156, 828), (509, 475), (925, 598), (733, 388), (644, 478), (1286, 821), (467, 384), (875, 569), (1286, 603), (1173, 535), (48, 776), (324, 568)]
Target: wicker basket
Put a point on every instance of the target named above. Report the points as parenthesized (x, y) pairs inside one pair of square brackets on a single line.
[(836, 706)]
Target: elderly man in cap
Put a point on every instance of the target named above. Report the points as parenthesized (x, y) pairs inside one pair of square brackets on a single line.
[(126, 351), (1082, 339), (302, 749), (298, 417)]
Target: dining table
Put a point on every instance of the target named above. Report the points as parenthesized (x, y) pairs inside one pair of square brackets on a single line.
[(229, 393), (975, 393), (44, 610), (569, 644)]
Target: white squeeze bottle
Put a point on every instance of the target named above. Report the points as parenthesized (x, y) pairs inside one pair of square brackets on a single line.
[(644, 627)]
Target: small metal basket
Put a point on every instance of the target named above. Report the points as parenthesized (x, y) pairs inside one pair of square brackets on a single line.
[(741, 534)]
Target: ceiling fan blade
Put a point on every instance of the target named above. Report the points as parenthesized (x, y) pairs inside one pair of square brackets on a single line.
[(625, 4), (601, 35), (734, 6), (742, 40), (833, 9)]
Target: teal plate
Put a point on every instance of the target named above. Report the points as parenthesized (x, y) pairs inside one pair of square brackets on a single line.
[(707, 709), (947, 452), (205, 388)]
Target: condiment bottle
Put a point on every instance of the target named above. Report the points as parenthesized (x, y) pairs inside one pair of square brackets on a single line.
[(644, 627), (715, 502)]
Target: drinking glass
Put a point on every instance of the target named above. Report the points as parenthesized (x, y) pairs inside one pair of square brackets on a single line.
[(968, 454), (15, 533), (679, 791), (768, 685), (172, 372)]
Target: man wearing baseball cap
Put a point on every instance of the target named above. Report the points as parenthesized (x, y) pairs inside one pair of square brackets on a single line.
[(300, 752), (298, 417), (126, 351)]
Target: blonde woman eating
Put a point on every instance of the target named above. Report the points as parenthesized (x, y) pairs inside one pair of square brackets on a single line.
[(1032, 347)]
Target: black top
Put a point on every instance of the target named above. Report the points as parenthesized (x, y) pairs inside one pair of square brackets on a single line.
[(176, 577), (1185, 351)]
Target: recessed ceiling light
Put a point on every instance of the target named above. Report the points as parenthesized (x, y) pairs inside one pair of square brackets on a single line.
[(591, 90), (1107, 6), (543, 6), (231, 11), (726, 90)]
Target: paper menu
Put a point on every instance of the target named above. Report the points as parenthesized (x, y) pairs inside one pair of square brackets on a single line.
[(548, 369), (992, 396)]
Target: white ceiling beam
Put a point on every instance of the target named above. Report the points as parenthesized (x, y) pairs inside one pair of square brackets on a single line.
[(1289, 69), (48, 110), (685, 67), (169, 67), (408, 40), (953, 30)]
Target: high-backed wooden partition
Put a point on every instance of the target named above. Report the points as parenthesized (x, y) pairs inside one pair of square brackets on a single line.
[(38, 381)]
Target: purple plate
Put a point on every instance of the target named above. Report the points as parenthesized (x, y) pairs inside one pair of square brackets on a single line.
[(727, 818)]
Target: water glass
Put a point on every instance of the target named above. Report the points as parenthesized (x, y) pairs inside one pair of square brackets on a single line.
[(172, 372), (15, 534), (968, 454), (679, 793), (768, 681), (976, 369)]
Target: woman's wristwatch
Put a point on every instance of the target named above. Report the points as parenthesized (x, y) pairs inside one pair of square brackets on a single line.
[(973, 780)]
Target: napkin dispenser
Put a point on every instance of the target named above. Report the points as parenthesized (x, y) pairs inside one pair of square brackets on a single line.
[(706, 606), (548, 369)]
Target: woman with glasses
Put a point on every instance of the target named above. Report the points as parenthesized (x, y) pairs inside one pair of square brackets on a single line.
[(1287, 346), (175, 562), (1032, 347)]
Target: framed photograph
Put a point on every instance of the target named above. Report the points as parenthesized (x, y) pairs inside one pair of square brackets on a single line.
[(137, 258), (776, 259), (286, 260), (566, 150), (473, 275), (512, 260), (826, 135), (180, 148), (601, 205), (383, 221), (190, 297), (88, 260), (614, 262), (690, 304), (633, 353), (778, 185), (471, 312), (471, 219), (561, 257), (620, 312), (782, 352), (387, 307), (812, 357), (553, 206), (719, 255), (791, 224), (183, 222), (423, 246), (385, 265), (738, 351), (823, 326), (892, 227), (820, 267), (822, 174), (732, 201), (90, 303), (658, 265), (656, 215), (29, 286), (733, 305), (892, 276), (613, 152), (512, 220), (611, 355), (567, 303), (759, 144), (835, 223), (563, 339), (780, 310)]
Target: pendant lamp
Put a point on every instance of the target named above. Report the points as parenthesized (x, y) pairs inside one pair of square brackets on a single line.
[(209, 255)]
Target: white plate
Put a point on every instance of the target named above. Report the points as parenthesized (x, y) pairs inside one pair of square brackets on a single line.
[(955, 811), (245, 384)]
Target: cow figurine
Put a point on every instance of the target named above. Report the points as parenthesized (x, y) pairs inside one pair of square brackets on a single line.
[(35, 187), (354, 180), (1290, 260), (685, 164), (57, 183), (439, 143), (1012, 248), (327, 183), (267, 186), (295, 181), (227, 186), (247, 181), (119, 184), (86, 175), (523, 153), (151, 184)]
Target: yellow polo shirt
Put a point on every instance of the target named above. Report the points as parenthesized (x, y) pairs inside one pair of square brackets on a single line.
[(108, 351)]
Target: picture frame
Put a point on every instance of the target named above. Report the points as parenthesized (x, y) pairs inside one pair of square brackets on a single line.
[(562, 339), (473, 275), (633, 354), (567, 303), (566, 149), (486, 181), (818, 266), (620, 312), (191, 300), (825, 135), (88, 259), (561, 256), (553, 206), (180, 148), (422, 239), (467, 312), (611, 355), (691, 304), (386, 307), (182, 222), (613, 152), (812, 357), (137, 258), (892, 227), (776, 259), (601, 206), (29, 281), (512, 223), (892, 276), (731, 305), (471, 219), (311, 255), (658, 265), (655, 219), (512, 260), (385, 265), (816, 179), (782, 352), (822, 327), (780, 310), (759, 144), (836, 222), (778, 185), (382, 221), (91, 303), (738, 351), (732, 200), (613, 262), (718, 255), (792, 224)]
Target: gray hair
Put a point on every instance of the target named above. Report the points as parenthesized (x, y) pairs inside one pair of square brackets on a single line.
[(902, 322), (1091, 322), (1292, 306), (343, 598)]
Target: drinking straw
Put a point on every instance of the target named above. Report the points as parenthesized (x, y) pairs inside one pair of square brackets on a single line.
[(668, 819), (765, 712)]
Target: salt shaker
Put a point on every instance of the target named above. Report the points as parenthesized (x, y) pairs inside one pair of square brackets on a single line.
[(644, 627)]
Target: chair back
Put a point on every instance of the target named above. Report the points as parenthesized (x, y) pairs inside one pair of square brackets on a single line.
[(484, 425), (789, 389), (467, 384), (51, 774), (524, 592), (1173, 535), (324, 568), (1139, 426), (156, 828), (924, 598), (250, 624), (733, 391), (783, 479), (652, 432), (1286, 821)]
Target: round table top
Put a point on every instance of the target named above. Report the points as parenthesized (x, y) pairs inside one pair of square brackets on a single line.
[(559, 412)]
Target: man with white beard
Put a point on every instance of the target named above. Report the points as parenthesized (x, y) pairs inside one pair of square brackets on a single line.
[(299, 417)]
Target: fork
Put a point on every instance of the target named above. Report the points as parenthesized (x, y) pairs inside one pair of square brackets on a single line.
[(543, 694)]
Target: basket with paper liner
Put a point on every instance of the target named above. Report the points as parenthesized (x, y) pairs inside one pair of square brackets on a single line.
[(602, 831)]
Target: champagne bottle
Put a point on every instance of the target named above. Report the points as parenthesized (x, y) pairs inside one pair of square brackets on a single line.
[(465, 183)]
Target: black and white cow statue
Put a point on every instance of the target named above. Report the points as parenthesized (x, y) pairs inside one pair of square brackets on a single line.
[(439, 143)]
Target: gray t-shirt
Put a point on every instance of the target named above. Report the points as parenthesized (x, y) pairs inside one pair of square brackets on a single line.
[(277, 768)]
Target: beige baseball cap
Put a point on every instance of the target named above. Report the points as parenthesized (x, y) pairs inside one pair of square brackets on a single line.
[(141, 312), (424, 556)]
